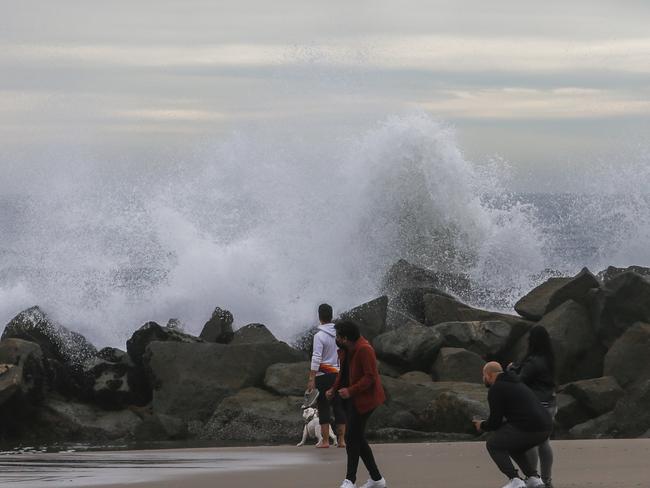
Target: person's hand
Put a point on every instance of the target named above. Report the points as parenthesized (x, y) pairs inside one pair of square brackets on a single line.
[(329, 394), (311, 384), (344, 393), (477, 424)]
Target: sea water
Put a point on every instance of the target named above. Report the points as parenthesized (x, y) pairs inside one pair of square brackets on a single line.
[(270, 222)]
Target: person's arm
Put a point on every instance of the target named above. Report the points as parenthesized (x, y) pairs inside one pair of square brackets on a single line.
[(497, 410), (369, 366), (316, 357)]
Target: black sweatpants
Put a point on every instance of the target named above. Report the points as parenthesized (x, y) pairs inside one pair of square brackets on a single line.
[(357, 445), (323, 383), (509, 442)]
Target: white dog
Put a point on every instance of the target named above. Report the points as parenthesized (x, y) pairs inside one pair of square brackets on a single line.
[(312, 427)]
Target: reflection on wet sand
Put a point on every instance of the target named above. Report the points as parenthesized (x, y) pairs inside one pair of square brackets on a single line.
[(76, 469)]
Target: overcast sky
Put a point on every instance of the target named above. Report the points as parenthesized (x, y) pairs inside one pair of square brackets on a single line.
[(542, 84)]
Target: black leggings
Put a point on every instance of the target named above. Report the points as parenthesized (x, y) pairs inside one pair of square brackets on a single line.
[(357, 445), (509, 442), (323, 383)]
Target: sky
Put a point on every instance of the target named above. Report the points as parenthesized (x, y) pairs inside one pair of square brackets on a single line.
[(543, 85)]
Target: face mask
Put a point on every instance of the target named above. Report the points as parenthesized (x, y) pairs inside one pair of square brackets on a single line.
[(340, 344), (487, 385)]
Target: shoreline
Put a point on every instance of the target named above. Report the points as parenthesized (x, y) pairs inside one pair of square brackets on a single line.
[(611, 463)]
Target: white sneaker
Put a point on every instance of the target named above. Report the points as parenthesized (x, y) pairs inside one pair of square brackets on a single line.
[(515, 483), (534, 482), (347, 484), (374, 484)]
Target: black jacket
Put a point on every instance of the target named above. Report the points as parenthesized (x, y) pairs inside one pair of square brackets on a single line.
[(535, 372), (513, 402)]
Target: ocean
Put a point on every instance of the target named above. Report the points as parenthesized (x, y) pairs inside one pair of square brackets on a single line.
[(269, 225)]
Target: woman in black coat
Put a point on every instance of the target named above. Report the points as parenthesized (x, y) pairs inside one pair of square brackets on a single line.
[(537, 370)]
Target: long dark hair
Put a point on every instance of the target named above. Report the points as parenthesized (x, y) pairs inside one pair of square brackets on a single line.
[(539, 344)]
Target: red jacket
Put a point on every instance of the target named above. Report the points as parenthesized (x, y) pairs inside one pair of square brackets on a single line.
[(365, 385)]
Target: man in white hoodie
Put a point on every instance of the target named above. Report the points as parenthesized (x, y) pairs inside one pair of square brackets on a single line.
[(324, 369)]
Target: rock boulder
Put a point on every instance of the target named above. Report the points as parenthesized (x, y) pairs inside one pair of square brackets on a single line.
[(370, 317), (56, 341), (219, 327), (456, 364), (597, 395), (151, 332), (190, 379), (412, 346), (628, 360), (555, 291), (252, 334), (257, 416), (288, 379)]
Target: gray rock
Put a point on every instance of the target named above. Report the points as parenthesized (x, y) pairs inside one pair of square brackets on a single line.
[(67, 421), (56, 341), (555, 291), (578, 352), (190, 379), (413, 346), (151, 332), (612, 272), (25, 373), (219, 327), (253, 333), (597, 395), (404, 407), (11, 378), (254, 415), (288, 379), (410, 301), (430, 406), (161, 428), (403, 274), (113, 355), (602, 427), (623, 301), (628, 359), (487, 339), (115, 384), (416, 377), (439, 309), (370, 317), (304, 340), (176, 324), (632, 413), (396, 319), (456, 364), (387, 369), (569, 411), (455, 406)]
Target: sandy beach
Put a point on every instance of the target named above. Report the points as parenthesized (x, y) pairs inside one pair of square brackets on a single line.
[(597, 463)]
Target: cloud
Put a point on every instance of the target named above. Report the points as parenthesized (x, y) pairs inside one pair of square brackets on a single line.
[(444, 53), (526, 103)]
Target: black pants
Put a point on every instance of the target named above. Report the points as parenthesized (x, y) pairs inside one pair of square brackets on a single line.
[(509, 442), (323, 383), (357, 445)]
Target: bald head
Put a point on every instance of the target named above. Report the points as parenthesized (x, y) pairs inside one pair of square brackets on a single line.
[(490, 372), (492, 367)]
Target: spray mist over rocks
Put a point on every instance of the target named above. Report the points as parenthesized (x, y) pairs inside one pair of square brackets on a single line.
[(270, 223)]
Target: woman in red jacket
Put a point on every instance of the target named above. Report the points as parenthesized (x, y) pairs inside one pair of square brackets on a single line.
[(359, 385)]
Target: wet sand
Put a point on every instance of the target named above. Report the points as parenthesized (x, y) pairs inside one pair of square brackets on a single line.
[(579, 464)]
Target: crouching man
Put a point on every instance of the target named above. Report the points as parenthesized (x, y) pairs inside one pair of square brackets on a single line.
[(517, 423)]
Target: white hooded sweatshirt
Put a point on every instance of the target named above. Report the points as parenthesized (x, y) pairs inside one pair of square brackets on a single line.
[(325, 358)]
